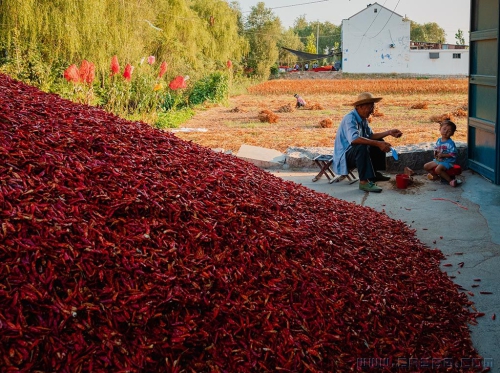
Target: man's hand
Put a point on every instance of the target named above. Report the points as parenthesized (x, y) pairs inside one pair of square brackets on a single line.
[(395, 133), (384, 146)]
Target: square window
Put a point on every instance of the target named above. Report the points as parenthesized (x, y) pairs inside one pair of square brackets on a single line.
[(457, 55), (433, 55)]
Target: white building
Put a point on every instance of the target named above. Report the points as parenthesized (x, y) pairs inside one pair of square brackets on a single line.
[(377, 40)]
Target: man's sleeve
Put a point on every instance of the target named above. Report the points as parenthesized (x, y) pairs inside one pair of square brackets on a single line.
[(352, 132)]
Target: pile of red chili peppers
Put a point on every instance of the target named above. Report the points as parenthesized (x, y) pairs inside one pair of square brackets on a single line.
[(126, 249)]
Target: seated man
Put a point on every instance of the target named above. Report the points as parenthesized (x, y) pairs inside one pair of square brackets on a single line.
[(357, 146)]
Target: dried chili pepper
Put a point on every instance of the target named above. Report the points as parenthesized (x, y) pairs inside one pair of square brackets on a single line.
[(124, 248)]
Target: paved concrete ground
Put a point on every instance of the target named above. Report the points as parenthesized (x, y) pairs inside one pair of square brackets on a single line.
[(463, 222)]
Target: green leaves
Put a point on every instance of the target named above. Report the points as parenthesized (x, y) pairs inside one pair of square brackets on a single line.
[(213, 88)]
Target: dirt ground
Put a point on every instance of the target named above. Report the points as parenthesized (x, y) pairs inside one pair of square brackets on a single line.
[(236, 123)]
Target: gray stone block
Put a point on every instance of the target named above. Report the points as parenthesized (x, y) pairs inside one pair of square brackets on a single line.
[(261, 157), (299, 160)]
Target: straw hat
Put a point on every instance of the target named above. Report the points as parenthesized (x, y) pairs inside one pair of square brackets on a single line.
[(366, 98)]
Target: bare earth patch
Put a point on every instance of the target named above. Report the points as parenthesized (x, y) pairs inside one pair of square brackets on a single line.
[(228, 128)]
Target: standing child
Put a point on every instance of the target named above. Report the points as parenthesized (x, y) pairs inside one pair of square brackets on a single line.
[(445, 154)]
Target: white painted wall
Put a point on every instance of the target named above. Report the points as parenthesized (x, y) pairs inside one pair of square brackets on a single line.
[(420, 63), (366, 42)]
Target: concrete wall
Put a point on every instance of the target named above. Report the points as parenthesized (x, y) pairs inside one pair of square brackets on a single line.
[(366, 42), (421, 63)]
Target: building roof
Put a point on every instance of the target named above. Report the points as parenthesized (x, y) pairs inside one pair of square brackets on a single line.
[(370, 6)]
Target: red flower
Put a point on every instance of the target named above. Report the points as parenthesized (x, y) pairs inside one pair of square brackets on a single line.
[(87, 72), (115, 66), (163, 69), (177, 83), (229, 64), (151, 60), (71, 74), (127, 74)]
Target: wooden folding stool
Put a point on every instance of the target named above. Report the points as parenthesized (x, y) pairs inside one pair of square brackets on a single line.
[(324, 162)]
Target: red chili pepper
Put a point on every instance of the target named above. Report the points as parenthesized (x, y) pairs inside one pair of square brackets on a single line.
[(124, 248)]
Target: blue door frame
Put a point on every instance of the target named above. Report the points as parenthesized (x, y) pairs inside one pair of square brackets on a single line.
[(484, 108)]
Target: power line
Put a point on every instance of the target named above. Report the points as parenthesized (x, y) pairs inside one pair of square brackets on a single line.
[(364, 35), (382, 29), (289, 6)]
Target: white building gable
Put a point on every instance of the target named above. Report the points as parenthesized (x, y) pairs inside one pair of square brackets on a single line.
[(375, 40)]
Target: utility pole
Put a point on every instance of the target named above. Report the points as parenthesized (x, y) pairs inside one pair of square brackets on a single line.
[(317, 38)]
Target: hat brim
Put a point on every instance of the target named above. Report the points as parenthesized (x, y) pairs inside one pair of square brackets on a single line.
[(367, 101)]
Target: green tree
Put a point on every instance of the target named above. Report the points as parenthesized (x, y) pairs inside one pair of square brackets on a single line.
[(329, 34), (40, 38), (459, 36), (311, 44), (263, 30), (289, 39), (427, 32)]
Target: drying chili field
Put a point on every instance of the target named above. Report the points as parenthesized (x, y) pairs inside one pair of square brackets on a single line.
[(412, 105), (118, 255)]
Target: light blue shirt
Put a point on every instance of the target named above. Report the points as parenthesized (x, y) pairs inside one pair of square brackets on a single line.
[(351, 127)]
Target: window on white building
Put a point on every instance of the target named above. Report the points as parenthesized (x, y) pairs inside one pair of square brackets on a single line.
[(457, 55), (433, 55), (375, 10)]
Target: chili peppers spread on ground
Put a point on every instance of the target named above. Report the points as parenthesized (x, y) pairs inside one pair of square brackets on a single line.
[(123, 248)]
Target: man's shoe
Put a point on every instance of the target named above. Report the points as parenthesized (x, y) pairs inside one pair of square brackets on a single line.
[(370, 187), (379, 176)]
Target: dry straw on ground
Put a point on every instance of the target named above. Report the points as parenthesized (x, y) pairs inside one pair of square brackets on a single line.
[(326, 123), (288, 108), (268, 116), (237, 110), (420, 105), (300, 128), (442, 117), (348, 86), (314, 106), (462, 111)]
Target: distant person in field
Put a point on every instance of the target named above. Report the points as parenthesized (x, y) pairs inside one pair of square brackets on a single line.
[(306, 67), (357, 146), (300, 101), (445, 155)]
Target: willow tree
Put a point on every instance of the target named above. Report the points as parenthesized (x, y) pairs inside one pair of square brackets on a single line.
[(263, 30), (40, 37), (221, 24)]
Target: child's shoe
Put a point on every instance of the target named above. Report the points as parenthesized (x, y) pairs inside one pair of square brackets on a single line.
[(455, 182)]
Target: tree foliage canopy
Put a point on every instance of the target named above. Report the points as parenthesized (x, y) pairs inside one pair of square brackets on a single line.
[(427, 32), (192, 34), (263, 30), (40, 38), (459, 36)]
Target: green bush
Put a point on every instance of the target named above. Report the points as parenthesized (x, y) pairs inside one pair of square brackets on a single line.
[(213, 88), (173, 118)]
